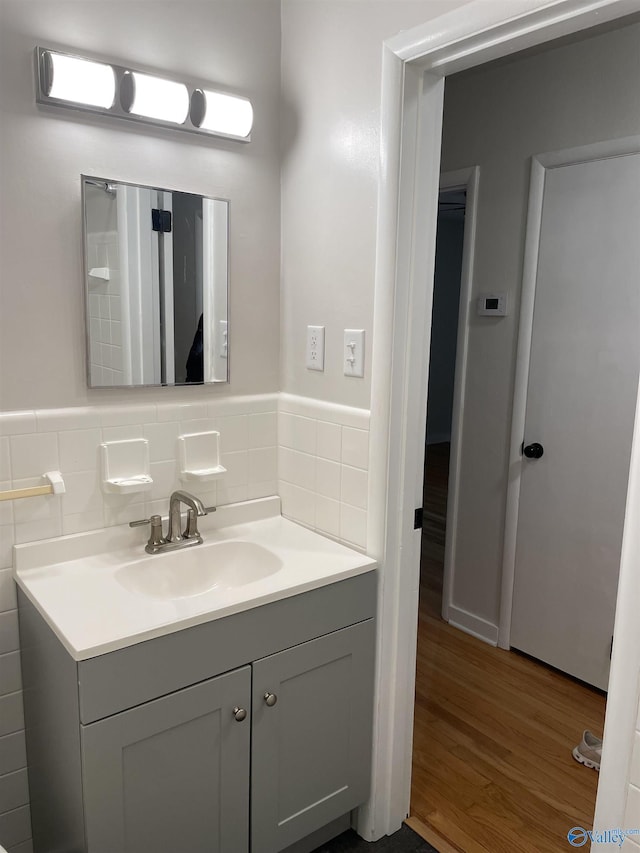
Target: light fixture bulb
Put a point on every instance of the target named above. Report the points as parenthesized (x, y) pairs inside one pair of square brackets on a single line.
[(79, 80), (217, 112), (154, 97)]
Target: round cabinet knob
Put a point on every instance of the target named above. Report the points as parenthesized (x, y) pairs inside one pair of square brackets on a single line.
[(239, 714), (270, 699), (533, 451)]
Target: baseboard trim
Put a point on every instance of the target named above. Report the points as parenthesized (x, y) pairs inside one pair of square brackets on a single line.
[(474, 625), (431, 836)]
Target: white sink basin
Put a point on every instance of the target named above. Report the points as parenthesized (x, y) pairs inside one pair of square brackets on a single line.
[(199, 569), (100, 592)]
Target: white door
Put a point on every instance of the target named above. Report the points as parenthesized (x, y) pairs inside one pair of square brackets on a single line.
[(581, 397)]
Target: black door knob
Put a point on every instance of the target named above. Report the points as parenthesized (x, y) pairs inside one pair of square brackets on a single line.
[(533, 451)]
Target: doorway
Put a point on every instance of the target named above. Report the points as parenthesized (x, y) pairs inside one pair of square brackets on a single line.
[(450, 238), (414, 66), (493, 730), (483, 791)]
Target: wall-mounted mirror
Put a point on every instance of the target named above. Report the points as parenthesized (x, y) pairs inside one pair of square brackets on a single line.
[(156, 285)]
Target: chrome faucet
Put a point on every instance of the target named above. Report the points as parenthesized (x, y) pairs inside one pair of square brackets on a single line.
[(175, 538), (196, 509)]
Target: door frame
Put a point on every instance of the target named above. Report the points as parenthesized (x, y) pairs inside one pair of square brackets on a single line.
[(540, 165), (467, 179), (414, 64)]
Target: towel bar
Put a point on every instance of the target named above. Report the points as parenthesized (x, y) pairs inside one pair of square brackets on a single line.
[(55, 486)]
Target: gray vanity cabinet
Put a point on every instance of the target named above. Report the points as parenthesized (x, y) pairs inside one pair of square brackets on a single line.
[(172, 774), (145, 749), (311, 736)]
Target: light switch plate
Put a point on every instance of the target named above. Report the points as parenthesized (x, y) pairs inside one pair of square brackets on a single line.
[(315, 347), (353, 357)]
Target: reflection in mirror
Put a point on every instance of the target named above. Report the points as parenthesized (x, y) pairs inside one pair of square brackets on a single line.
[(156, 282)]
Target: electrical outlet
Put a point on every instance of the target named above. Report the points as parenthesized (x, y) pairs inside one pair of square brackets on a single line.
[(315, 347), (353, 352)]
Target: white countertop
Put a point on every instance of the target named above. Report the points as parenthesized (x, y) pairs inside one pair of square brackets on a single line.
[(75, 582)]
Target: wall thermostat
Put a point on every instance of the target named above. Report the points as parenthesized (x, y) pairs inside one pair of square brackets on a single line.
[(492, 305)]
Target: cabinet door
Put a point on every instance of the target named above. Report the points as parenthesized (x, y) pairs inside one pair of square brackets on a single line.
[(173, 774), (311, 755)]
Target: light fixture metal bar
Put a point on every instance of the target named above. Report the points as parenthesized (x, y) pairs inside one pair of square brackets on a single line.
[(42, 71)]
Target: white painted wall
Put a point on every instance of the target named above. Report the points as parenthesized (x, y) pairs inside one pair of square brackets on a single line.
[(331, 76), (235, 45), (498, 117)]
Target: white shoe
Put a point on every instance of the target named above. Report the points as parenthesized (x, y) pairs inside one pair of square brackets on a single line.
[(588, 751)]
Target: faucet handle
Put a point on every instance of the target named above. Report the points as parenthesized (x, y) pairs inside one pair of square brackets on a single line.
[(191, 530), (155, 537), (140, 522)]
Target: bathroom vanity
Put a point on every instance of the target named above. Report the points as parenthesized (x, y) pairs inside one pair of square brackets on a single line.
[(236, 718)]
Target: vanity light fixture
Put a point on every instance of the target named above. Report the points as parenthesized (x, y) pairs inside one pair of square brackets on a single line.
[(81, 82), (66, 80), (148, 96), (218, 112)]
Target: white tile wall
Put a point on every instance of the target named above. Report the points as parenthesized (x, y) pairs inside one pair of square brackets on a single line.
[(25, 847), (17, 423), (328, 474), (13, 751), (15, 829), (107, 364), (68, 440), (355, 447), (11, 719), (323, 461), (7, 591), (329, 441)]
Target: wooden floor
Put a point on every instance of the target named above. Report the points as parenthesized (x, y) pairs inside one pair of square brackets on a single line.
[(492, 765)]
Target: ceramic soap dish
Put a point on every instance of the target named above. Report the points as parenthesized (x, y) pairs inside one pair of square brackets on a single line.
[(125, 466), (199, 454)]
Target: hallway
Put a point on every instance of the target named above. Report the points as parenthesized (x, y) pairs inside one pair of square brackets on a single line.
[(494, 730)]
